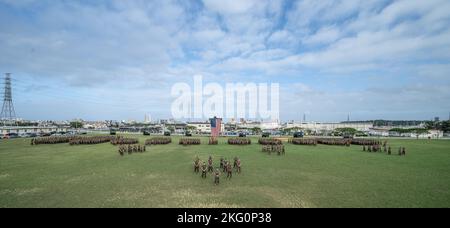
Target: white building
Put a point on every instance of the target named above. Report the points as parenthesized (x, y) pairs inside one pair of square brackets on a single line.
[(31, 130), (271, 125), (203, 127), (319, 127), (431, 134), (147, 118), (379, 132)]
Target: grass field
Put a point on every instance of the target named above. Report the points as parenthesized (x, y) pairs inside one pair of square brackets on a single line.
[(322, 176)]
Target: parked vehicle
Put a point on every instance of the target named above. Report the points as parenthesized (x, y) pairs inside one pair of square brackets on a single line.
[(299, 134), (348, 136), (230, 133), (32, 135), (12, 135)]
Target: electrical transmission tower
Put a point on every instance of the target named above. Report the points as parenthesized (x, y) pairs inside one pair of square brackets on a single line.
[(8, 115)]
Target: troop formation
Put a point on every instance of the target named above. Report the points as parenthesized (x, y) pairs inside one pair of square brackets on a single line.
[(72, 140), (384, 148), (225, 166), (121, 141), (123, 149), (377, 148), (367, 142), (90, 140), (279, 149), (303, 141), (158, 141), (269, 141), (51, 140), (239, 141), (271, 145), (334, 141), (189, 141)]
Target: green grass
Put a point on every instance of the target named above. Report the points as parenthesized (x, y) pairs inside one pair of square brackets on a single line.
[(322, 176)]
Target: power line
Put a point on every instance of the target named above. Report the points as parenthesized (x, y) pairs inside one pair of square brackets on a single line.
[(62, 94), (26, 85)]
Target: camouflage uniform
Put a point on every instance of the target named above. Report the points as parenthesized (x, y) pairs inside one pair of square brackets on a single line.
[(204, 170), (210, 165), (221, 163), (238, 166), (217, 177), (229, 171), (196, 166)]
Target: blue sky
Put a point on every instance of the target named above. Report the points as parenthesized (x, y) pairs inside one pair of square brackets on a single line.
[(374, 59)]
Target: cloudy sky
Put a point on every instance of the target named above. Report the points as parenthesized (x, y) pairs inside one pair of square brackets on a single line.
[(115, 59)]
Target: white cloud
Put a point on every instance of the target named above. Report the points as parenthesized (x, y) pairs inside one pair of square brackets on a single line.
[(324, 35), (230, 6), (138, 45)]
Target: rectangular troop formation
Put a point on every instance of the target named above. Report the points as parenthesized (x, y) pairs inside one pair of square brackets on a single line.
[(72, 140), (90, 140), (334, 141), (158, 141), (52, 140), (383, 148), (272, 146), (239, 141), (189, 141), (122, 141), (137, 148)]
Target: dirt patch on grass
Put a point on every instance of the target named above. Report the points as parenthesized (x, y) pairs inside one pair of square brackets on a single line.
[(76, 180), (190, 198), (152, 176), (213, 205), (21, 192), (282, 198)]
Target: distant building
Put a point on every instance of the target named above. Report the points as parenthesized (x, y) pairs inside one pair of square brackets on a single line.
[(32, 130), (204, 127), (329, 127), (147, 118), (270, 125)]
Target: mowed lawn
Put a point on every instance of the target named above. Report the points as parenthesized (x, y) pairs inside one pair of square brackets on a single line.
[(323, 176)]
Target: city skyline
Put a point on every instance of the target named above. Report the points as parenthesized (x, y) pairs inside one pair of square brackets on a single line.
[(118, 60)]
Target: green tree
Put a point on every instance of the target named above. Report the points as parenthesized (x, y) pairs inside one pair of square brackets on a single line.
[(171, 129), (256, 130), (191, 128), (445, 126), (344, 131), (76, 124), (419, 131)]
